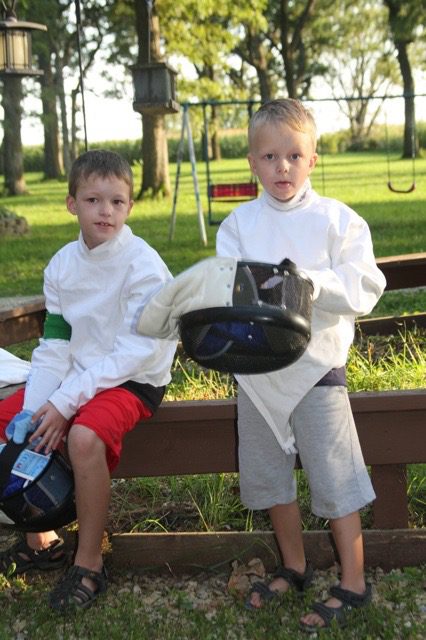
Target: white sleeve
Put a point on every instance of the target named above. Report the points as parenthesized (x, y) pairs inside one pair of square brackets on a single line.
[(50, 361), (132, 355), (354, 283), (227, 240)]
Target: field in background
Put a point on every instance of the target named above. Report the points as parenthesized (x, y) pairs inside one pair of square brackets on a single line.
[(397, 221)]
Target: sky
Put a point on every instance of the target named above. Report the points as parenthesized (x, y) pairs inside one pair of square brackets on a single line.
[(106, 119)]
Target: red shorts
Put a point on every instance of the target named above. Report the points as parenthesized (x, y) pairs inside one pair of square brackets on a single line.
[(110, 414)]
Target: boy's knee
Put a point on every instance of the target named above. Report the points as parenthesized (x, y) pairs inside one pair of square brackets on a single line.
[(84, 444)]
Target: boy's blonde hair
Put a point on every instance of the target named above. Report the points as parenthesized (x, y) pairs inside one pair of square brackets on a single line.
[(286, 111), (101, 163)]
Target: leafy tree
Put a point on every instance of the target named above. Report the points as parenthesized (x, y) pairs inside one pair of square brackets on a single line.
[(58, 56), (205, 34), (13, 162), (135, 38), (155, 159), (360, 64), (255, 50), (297, 33), (14, 180), (50, 13), (406, 22)]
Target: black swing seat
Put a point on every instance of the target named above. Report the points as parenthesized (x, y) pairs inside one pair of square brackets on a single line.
[(409, 190), (233, 192)]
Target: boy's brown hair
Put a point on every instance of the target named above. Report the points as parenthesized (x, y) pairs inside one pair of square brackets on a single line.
[(287, 111), (102, 163)]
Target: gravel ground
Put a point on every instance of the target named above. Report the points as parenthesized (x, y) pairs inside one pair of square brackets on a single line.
[(399, 606)]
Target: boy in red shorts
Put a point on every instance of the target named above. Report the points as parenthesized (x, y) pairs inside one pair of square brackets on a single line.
[(92, 378)]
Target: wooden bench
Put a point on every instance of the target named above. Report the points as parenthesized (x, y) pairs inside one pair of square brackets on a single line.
[(22, 318), (197, 437), (401, 272), (200, 437)]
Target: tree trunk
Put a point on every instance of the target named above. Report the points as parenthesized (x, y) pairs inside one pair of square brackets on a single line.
[(14, 181), (402, 37), (52, 160), (156, 180), (155, 157), (292, 46), (409, 148), (264, 84)]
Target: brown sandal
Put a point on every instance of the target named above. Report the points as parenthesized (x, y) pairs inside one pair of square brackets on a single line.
[(349, 599), (297, 581), (20, 558), (70, 592)]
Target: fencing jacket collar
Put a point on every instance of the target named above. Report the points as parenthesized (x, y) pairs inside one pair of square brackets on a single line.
[(295, 201)]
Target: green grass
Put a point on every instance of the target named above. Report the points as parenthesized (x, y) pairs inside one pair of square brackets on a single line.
[(382, 363), (398, 226), (205, 503), (155, 608), (397, 221)]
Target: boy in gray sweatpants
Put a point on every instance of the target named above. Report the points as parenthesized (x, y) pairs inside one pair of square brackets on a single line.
[(304, 408)]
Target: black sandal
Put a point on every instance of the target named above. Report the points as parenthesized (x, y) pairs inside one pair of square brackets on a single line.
[(24, 559), (349, 599), (297, 581), (70, 592)]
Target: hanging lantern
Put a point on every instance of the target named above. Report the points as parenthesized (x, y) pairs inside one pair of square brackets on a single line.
[(154, 89), (15, 47), (154, 82)]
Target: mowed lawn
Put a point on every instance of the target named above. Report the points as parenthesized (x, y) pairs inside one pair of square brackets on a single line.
[(397, 221), (172, 608)]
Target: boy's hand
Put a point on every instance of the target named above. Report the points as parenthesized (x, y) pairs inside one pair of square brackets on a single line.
[(51, 429), (20, 425)]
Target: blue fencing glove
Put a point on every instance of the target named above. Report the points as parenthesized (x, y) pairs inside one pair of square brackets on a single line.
[(19, 426)]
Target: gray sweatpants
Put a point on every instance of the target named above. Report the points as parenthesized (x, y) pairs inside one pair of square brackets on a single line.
[(329, 449)]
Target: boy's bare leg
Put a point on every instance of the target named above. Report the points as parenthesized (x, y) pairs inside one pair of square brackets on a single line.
[(92, 494), (287, 525), (43, 540), (348, 538), (39, 542)]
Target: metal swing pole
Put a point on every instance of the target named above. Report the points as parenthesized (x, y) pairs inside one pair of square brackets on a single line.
[(177, 179), (80, 66), (207, 160), (186, 125)]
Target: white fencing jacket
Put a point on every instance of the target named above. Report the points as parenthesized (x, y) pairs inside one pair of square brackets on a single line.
[(331, 244), (99, 293)]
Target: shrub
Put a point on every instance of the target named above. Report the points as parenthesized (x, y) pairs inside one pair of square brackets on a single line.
[(11, 223)]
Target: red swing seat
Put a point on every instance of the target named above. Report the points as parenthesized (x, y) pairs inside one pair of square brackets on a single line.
[(233, 192)]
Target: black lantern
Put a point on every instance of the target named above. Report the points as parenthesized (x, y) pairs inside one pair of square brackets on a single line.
[(155, 89), (154, 82), (15, 45)]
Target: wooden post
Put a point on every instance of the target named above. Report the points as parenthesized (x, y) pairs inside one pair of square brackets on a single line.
[(390, 509)]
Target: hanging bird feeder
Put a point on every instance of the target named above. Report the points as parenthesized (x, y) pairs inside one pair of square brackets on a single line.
[(155, 89), (154, 82), (15, 45)]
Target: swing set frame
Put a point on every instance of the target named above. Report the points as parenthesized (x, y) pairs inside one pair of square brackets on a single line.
[(223, 192), (232, 192), (242, 191)]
